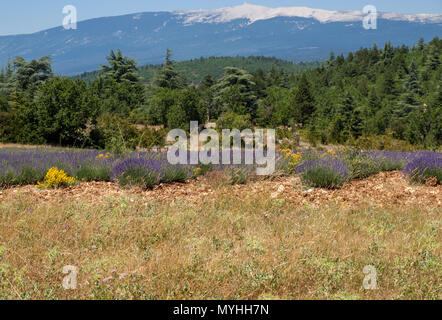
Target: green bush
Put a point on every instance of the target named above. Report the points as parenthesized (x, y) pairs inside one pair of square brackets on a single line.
[(383, 142), (150, 137), (93, 173), (386, 165), (238, 175), (232, 120), (363, 167), (7, 127), (202, 169), (177, 118), (174, 174), (4, 105), (114, 134), (27, 176), (322, 177), (138, 177)]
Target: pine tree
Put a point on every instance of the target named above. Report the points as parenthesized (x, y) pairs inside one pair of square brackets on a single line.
[(411, 83), (373, 102), (343, 120), (168, 77), (388, 54), (234, 92), (6, 80), (120, 68), (433, 61), (208, 81), (260, 80), (388, 86), (304, 103), (331, 59), (374, 54), (207, 94), (29, 75), (356, 124), (421, 44)]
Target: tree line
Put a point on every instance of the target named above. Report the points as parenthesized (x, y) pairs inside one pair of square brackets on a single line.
[(394, 91), (195, 70)]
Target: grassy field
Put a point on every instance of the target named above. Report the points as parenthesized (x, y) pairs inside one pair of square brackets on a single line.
[(208, 240)]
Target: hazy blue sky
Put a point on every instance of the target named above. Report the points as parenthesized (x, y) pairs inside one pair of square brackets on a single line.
[(27, 16)]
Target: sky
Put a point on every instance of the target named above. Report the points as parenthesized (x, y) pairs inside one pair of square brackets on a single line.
[(28, 16)]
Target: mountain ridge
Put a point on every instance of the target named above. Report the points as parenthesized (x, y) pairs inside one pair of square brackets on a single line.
[(255, 13), (146, 36)]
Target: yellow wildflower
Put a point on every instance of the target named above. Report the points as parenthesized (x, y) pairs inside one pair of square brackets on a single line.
[(55, 178), (295, 158), (104, 156)]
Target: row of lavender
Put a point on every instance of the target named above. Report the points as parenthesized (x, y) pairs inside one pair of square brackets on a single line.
[(28, 166), (318, 169), (331, 170)]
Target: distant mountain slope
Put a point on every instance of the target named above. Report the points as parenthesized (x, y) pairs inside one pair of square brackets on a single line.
[(195, 70), (295, 34)]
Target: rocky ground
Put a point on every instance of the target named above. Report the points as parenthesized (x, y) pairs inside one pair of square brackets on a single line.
[(384, 189)]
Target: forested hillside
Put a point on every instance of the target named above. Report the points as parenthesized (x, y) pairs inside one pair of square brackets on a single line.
[(393, 90), (195, 70), (372, 93)]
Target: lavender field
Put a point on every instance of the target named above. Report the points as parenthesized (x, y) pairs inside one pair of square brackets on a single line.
[(306, 232), (20, 166)]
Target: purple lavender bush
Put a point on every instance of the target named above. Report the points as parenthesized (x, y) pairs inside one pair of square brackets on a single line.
[(388, 160), (428, 165), (327, 173), (142, 172), (27, 166)]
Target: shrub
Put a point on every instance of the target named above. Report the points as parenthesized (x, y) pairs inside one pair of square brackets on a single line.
[(24, 176), (287, 161), (138, 177), (60, 111), (286, 133), (323, 173), (177, 118), (386, 165), (56, 178), (362, 167), (174, 174), (367, 163), (4, 105), (425, 167), (383, 142), (93, 173), (114, 134), (202, 169), (238, 175), (151, 137), (231, 120), (141, 172), (6, 127), (322, 177)]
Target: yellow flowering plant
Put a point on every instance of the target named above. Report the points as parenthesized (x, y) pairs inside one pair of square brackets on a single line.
[(106, 155), (294, 158), (330, 154), (56, 178)]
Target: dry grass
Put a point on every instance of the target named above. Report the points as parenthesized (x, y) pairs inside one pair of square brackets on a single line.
[(207, 240), (24, 146)]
